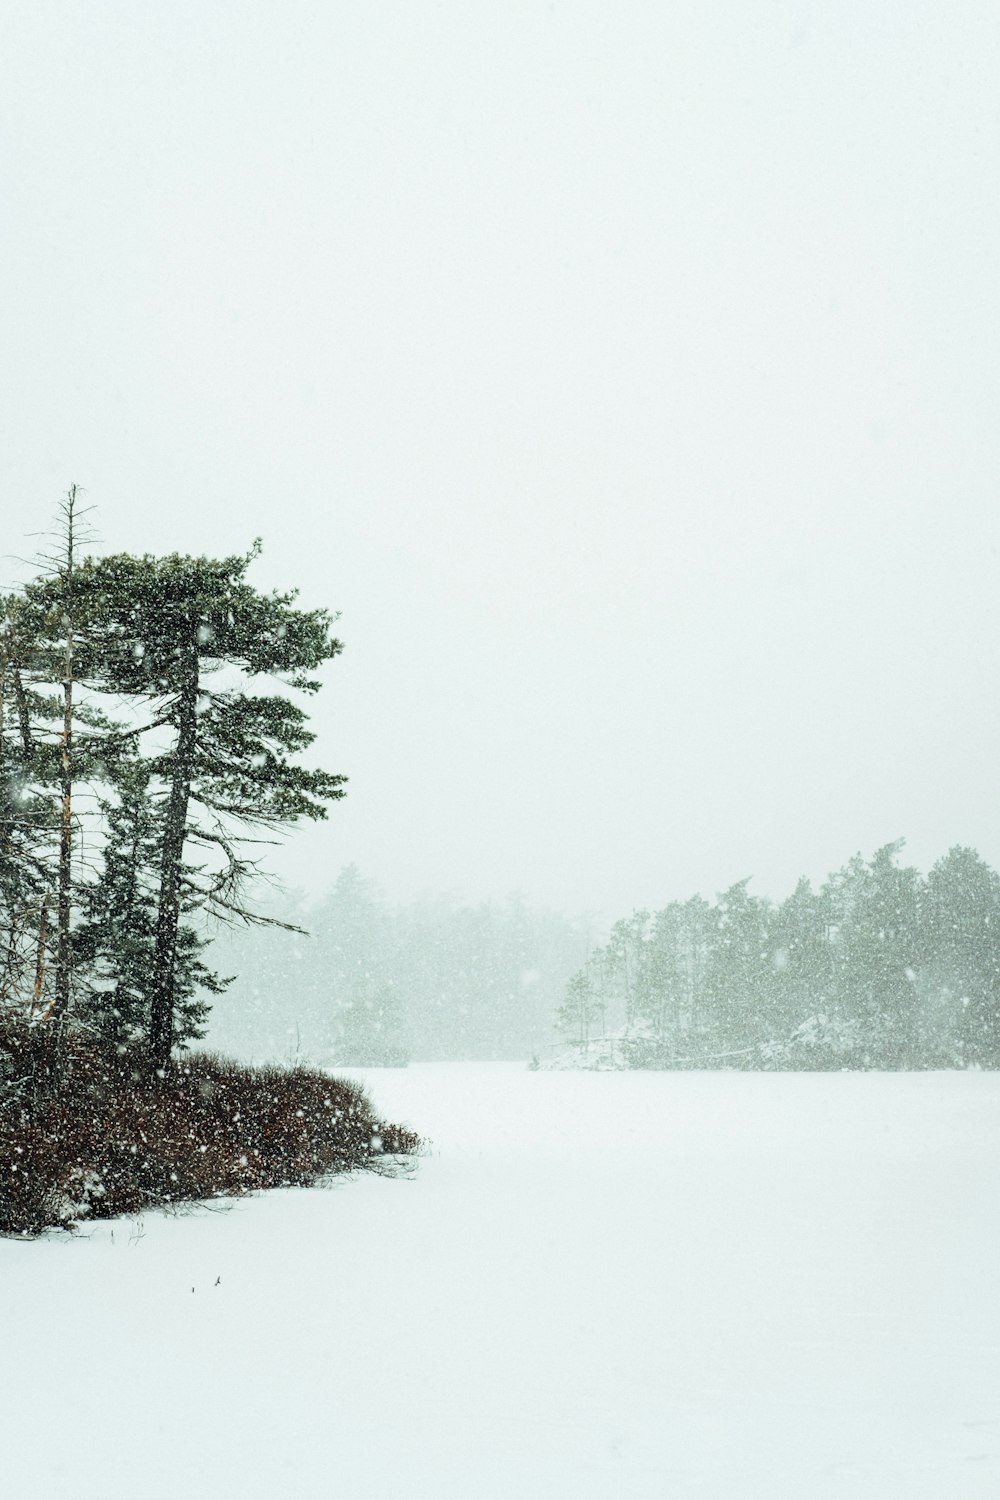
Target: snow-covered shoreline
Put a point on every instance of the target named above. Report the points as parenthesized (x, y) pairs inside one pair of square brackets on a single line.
[(595, 1285)]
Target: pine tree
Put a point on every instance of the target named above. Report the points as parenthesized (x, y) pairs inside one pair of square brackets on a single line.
[(371, 1028), (579, 1009), (738, 972), (114, 942), (49, 638), (60, 743), (623, 958), (26, 823), (172, 633), (876, 952), (961, 959), (660, 980)]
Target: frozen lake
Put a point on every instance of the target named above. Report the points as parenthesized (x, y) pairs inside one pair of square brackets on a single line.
[(628, 1286)]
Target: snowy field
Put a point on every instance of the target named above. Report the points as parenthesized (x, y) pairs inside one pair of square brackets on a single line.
[(627, 1286)]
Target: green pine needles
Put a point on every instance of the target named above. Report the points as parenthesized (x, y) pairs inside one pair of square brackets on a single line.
[(152, 730), (882, 967)]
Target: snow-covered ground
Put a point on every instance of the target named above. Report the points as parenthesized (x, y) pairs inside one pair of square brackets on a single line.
[(595, 1285)]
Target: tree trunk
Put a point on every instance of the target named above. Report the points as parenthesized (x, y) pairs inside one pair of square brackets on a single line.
[(43, 934), (23, 720), (7, 829), (64, 884), (65, 891), (161, 1018)]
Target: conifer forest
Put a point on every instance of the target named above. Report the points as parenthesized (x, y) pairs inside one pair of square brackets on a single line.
[(143, 765), (882, 968), (499, 830)]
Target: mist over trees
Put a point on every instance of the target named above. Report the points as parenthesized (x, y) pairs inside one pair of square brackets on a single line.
[(152, 737), (882, 967), (376, 984), (152, 740)]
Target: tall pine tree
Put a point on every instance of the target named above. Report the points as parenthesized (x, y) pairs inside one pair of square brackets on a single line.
[(186, 637)]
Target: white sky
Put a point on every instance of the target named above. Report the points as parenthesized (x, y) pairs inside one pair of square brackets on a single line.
[(625, 374)]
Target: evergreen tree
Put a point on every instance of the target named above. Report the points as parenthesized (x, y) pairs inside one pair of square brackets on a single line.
[(800, 958), (114, 942), (878, 969), (624, 958), (579, 1009), (172, 633), (27, 823), (877, 953), (61, 745), (961, 959), (371, 1028), (660, 977), (736, 982)]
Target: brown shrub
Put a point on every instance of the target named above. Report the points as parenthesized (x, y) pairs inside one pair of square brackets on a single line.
[(106, 1139)]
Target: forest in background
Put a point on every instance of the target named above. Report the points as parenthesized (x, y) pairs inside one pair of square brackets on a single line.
[(882, 967), (374, 984), (145, 757)]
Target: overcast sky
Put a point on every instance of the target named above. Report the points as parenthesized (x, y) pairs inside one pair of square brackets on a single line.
[(626, 374)]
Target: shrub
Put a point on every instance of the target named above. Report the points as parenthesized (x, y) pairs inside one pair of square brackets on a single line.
[(109, 1140)]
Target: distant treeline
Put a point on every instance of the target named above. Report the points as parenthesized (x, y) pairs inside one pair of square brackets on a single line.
[(374, 984), (882, 967)]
